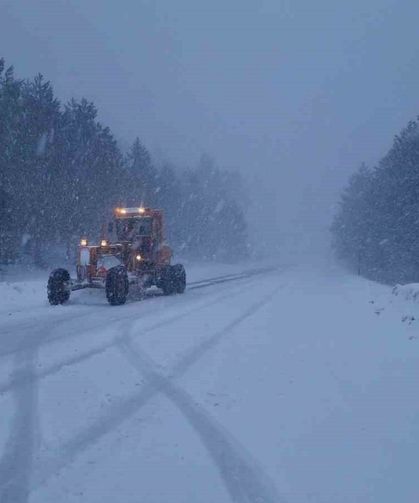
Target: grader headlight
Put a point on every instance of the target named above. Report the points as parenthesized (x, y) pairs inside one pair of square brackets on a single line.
[(138, 257), (83, 242), (104, 242)]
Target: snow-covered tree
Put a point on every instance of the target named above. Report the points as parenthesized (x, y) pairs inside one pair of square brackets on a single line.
[(376, 229)]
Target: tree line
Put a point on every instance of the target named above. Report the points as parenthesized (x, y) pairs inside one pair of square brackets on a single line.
[(62, 172), (376, 228)]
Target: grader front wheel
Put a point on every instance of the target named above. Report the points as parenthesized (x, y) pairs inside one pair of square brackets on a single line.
[(59, 287)]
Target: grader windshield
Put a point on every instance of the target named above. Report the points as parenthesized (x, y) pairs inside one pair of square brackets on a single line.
[(129, 228)]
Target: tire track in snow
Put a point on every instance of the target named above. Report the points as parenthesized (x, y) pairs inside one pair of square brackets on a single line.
[(228, 277), (124, 409), (16, 463), (19, 380), (242, 477), (17, 338), (14, 337), (23, 338)]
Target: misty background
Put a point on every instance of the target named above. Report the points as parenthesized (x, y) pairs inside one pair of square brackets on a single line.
[(293, 94)]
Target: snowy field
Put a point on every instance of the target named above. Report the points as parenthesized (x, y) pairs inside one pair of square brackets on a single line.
[(296, 385)]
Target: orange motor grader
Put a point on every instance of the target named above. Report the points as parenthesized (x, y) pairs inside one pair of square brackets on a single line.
[(132, 255)]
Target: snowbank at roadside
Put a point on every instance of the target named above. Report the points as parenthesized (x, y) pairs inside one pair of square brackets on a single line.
[(21, 295), (410, 291)]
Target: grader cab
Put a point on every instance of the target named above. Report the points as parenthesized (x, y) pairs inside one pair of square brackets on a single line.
[(132, 254)]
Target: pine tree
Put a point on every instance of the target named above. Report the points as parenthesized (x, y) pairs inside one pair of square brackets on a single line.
[(214, 223), (140, 167), (11, 113), (61, 172), (169, 197), (36, 169), (376, 229)]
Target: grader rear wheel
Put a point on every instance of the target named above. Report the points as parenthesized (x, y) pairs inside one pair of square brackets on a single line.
[(173, 279), (116, 285)]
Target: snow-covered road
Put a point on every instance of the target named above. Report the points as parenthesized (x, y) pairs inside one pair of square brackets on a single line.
[(289, 384)]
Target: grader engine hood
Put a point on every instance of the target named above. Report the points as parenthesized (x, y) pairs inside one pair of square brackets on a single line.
[(95, 261)]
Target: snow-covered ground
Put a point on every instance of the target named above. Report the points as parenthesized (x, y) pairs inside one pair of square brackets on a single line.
[(298, 385)]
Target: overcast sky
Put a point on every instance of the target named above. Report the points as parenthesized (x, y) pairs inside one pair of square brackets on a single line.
[(294, 93)]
